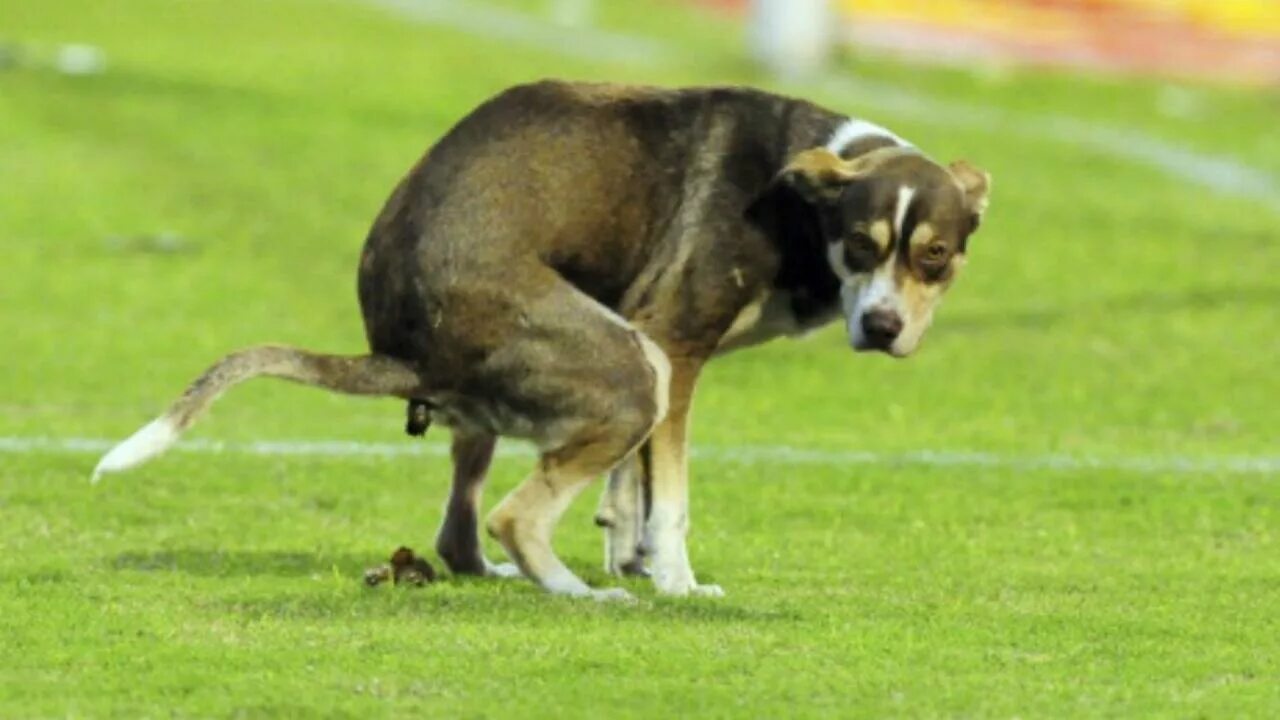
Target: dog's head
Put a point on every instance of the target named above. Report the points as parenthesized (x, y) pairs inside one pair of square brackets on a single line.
[(894, 227)]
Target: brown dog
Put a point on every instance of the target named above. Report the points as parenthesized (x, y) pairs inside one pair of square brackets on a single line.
[(561, 265)]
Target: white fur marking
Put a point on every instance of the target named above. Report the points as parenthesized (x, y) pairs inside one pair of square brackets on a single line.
[(504, 570), (561, 581), (154, 438), (866, 292), (853, 130), (905, 195), (667, 527), (661, 365), (748, 318), (835, 258)]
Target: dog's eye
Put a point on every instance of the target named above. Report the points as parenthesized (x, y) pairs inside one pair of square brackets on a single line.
[(860, 252), (933, 261), (935, 256)]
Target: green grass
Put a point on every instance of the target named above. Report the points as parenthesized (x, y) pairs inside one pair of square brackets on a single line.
[(1107, 311)]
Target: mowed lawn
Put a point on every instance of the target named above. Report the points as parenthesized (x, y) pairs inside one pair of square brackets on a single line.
[(1113, 348)]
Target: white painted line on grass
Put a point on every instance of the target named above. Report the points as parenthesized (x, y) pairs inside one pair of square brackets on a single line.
[(744, 454), (1220, 174), (499, 23)]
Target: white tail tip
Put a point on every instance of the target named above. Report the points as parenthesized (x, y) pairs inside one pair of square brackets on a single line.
[(154, 438)]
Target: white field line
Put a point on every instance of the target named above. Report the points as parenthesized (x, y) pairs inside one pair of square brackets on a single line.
[(742, 454), (498, 23), (1217, 173)]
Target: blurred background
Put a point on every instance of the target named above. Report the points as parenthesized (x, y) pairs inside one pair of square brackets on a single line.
[(1226, 40)]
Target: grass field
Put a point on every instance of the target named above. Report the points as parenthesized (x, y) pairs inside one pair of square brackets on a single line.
[(1111, 314)]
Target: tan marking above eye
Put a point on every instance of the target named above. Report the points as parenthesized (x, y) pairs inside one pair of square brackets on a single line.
[(923, 233), (882, 234)]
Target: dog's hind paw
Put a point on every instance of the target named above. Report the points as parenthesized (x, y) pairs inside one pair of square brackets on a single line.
[(612, 595), (712, 591), (683, 585), (501, 570)]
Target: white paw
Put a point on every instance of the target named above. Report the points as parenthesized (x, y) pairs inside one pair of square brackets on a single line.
[(682, 584), (504, 570), (678, 584), (711, 591), (612, 595)]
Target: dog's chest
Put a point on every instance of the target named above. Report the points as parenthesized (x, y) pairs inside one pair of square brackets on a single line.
[(771, 315)]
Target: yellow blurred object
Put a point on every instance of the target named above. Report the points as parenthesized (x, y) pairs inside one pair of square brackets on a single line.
[(1243, 17), (1232, 40), (1246, 17)]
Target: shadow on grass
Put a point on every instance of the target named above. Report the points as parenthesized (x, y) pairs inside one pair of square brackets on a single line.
[(243, 563), (450, 598), (498, 602)]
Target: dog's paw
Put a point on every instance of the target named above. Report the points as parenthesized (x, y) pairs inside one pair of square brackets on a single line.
[(503, 571), (711, 591), (632, 568), (691, 590), (682, 584), (613, 595)]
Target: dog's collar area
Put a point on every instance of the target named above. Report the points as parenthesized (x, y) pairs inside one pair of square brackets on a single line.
[(853, 131)]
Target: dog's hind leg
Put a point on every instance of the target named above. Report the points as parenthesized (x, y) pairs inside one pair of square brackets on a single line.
[(524, 521), (458, 541), (591, 387), (622, 512)]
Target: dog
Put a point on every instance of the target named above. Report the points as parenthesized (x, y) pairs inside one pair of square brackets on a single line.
[(561, 265)]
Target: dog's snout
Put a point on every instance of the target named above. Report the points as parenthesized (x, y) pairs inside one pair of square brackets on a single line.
[(881, 327)]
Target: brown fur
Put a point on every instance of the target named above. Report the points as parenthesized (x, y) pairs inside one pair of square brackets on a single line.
[(353, 375)]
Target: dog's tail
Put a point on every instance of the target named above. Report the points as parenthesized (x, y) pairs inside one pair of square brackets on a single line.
[(353, 375)]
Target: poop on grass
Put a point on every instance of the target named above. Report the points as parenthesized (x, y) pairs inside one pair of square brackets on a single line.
[(404, 568)]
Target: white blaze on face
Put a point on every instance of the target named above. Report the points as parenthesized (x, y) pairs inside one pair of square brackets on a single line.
[(905, 196), (911, 300)]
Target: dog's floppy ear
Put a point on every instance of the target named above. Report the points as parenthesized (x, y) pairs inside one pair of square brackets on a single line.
[(976, 185), (793, 200), (817, 174)]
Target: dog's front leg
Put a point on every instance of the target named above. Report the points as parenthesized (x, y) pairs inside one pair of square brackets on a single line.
[(668, 524)]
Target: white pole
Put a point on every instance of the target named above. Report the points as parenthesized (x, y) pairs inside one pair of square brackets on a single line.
[(792, 38)]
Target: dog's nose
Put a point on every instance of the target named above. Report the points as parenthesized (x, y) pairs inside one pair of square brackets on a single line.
[(881, 327)]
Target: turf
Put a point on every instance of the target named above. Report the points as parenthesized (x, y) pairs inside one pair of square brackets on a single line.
[(1108, 312)]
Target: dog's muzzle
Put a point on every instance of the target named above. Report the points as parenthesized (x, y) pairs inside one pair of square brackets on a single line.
[(880, 328)]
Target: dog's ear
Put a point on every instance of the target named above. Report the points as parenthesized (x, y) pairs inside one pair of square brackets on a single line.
[(976, 185), (797, 196), (818, 175)]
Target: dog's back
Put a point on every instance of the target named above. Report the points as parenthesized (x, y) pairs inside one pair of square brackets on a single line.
[(592, 180)]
